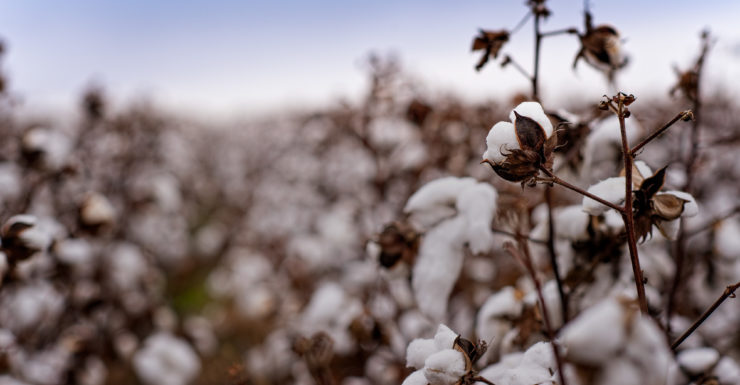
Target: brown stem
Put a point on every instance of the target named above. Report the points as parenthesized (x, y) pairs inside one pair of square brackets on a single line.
[(483, 380), (509, 60), (628, 214), (525, 259), (560, 32), (684, 115), (508, 233), (728, 293), (537, 41), (689, 165), (556, 180), (553, 255)]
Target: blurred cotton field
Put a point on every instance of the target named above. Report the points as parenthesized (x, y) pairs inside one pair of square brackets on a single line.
[(403, 236)]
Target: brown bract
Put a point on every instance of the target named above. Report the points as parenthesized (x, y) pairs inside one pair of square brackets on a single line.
[(535, 151), (398, 242), (652, 208), (600, 47), (491, 42)]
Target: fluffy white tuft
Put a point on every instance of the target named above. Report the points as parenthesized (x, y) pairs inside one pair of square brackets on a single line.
[(611, 190)]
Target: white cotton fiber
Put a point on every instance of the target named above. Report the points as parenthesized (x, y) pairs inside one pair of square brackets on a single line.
[(611, 190), (418, 351), (444, 367)]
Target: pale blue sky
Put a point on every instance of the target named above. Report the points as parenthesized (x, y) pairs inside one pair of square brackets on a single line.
[(228, 57)]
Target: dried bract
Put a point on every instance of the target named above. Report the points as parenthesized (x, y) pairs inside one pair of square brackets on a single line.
[(490, 42)]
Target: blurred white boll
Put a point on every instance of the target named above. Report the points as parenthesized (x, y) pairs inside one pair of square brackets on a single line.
[(96, 210), (166, 360)]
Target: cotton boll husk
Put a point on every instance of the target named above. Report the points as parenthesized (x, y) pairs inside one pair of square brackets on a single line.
[(477, 204), (690, 208), (698, 360), (534, 111), (445, 367), (444, 338), (418, 351), (611, 190), (439, 192), (500, 140), (416, 378), (438, 266), (596, 334)]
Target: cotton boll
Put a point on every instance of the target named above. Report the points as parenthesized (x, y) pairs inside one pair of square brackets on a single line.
[(698, 360), (602, 149), (96, 210), (727, 371), (439, 192), (643, 169), (445, 367), (647, 347), (413, 323), (619, 371), (596, 334), (500, 140), (572, 223), (534, 111), (438, 266), (727, 239), (477, 204), (416, 378), (444, 338), (611, 190), (166, 360), (418, 351)]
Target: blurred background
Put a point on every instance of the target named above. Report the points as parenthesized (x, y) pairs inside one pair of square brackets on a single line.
[(188, 188)]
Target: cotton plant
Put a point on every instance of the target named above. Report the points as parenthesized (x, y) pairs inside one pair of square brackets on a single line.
[(446, 359), (452, 213)]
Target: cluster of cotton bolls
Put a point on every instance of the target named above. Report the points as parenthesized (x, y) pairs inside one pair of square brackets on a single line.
[(336, 247)]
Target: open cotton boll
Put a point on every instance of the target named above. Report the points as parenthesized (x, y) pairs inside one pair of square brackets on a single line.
[(534, 111), (438, 266), (690, 208), (643, 168), (439, 192), (727, 371), (727, 241), (444, 367), (552, 298), (603, 147), (416, 378), (500, 140), (596, 334), (646, 344), (611, 190), (477, 204), (535, 366), (698, 360), (444, 338), (418, 351)]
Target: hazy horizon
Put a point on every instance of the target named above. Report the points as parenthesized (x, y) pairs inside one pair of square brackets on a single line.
[(255, 58)]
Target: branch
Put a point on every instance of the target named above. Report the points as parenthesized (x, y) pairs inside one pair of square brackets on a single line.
[(525, 259), (628, 214), (684, 115), (728, 293), (556, 180), (553, 255)]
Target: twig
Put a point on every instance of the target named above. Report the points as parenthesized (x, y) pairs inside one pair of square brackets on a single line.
[(524, 258), (683, 115), (520, 23), (509, 60), (728, 293), (560, 32), (554, 179), (537, 41), (628, 214), (483, 380), (508, 233), (553, 255)]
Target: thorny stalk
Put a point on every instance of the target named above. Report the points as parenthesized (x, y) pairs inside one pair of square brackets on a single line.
[(522, 254), (728, 293), (683, 115), (628, 214)]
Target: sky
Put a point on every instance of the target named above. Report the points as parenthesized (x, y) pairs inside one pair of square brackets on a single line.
[(251, 58)]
